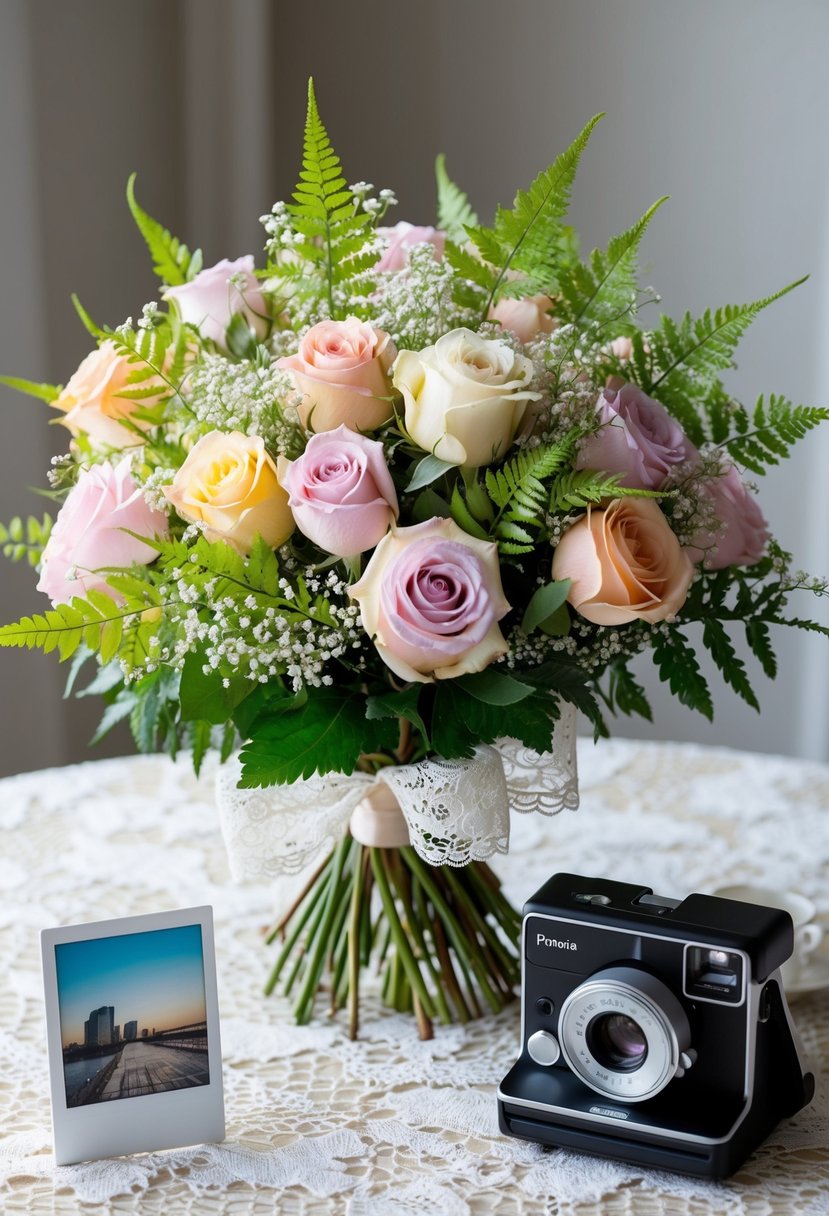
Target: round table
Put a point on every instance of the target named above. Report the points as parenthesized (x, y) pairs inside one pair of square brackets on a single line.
[(387, 1126)]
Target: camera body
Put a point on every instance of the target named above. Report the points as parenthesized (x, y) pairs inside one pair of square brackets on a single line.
[(653, 1030)]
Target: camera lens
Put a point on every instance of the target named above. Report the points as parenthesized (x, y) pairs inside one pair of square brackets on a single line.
[(617, 1042)]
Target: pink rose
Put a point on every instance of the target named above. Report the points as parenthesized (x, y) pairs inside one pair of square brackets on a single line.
[(211, 300), (431, 598), (88, 535), (637, 439), (743, 538), (622, 348), (340, 491), (403, 237), (625, 564), (342, 370), (525, 318)]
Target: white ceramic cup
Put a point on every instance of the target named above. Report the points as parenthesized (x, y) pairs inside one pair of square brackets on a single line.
[(808, 934)]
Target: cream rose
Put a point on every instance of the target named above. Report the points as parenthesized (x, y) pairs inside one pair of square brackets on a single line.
[(464, 397), (342, 371), (431, 598), (229, 483), (625, 564), (91, 403)]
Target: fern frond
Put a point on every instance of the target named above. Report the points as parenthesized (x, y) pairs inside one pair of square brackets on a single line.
[(765, 437), (531, 237), (685, 359), (44, 392), (336, 232), (585, 487), (97, 621), (25, 538), (455, 214), (172, 260), (679, 669), (605, 289), (732, 667)]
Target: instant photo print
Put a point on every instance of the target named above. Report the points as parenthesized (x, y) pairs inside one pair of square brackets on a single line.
[(132, 1024)]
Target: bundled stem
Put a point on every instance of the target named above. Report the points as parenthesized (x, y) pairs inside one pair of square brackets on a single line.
[(440, 938)]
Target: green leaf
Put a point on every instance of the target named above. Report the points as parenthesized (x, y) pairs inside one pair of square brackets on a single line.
[(402, 704), (172, 261), (204, 696), (759, 641), (570, 682), (199, 735), (429, 505), (626, 695), (240, 338), (427, 470), (454, 211), (558, 624), (25, 538), (45, 392), (328, 734), (460, 721), (87, 322), (767, 435), (463, 517), (544, 602), (495, 687), (606, 290), (530, 237), (119, 709), (678, 667), (732, 667)]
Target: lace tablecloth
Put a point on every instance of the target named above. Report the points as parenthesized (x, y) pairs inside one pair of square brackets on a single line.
[(388, 1126)]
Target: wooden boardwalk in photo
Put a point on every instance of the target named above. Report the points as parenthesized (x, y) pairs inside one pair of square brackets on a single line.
[(145, 1068)]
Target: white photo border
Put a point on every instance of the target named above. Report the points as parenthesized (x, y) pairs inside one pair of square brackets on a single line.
[(151, 1121)]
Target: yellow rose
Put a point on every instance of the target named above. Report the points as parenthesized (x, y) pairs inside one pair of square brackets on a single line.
[(91, 403), (228, 482), (625, 564)]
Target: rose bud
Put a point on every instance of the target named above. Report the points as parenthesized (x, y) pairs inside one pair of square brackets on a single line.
[(403, 237), (526, 318)]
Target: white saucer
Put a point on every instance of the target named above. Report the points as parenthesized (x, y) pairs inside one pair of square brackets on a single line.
[(812, 978)]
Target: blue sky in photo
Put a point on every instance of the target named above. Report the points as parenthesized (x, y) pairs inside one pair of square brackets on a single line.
[(156, 979)]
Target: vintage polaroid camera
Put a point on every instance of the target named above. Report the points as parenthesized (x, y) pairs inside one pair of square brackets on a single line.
[(654, 1030)]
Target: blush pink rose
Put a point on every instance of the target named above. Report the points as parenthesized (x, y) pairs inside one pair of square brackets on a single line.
[(742, 540), (210, 300), (637, 438), (88, 535), (340, 491), (92, 403), (342, 371), (625, 564), (403, 237), (525, 318), (431, 599)]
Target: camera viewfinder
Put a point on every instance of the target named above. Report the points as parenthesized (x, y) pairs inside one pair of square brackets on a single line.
[(713, 974)]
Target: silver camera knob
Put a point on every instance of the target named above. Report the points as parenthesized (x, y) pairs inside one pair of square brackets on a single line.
[(543, 1047)]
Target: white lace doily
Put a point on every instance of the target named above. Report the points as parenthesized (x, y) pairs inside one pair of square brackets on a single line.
[(387, 1126), (457, 811)]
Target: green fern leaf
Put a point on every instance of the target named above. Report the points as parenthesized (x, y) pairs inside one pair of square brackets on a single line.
[(455, 214), (733, 670), (606, 290), (775, 427), (44, 392), (759, 640), (585, 487), (172, 261), (25, 538), (679, 668), (531, 237)]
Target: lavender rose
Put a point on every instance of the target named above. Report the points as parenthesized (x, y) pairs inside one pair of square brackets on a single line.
[(88, 534), (742, 539), (637, 438), (403, 237), (211, 299), (431, 598), (340, 491)]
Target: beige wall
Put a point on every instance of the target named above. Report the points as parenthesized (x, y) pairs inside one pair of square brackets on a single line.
[(722, 106)]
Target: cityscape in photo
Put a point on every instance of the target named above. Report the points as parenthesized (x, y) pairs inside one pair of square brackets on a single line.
[(133, 1016)]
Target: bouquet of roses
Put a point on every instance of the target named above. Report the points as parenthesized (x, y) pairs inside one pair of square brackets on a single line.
[(400, 494)]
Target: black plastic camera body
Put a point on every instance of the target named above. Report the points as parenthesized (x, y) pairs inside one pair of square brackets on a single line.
[(654, 1030)]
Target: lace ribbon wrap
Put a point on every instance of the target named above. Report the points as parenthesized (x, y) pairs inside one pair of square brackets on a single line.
[(456, 811)]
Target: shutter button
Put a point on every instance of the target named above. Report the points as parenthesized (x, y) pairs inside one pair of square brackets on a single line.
[(543, 1047)]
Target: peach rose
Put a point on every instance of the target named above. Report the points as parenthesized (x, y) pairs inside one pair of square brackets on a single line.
[(92, 533), (525, 318), (465, 397), (229, 483), (342, 371), (431, 598), (91, 403), (625, 564)]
